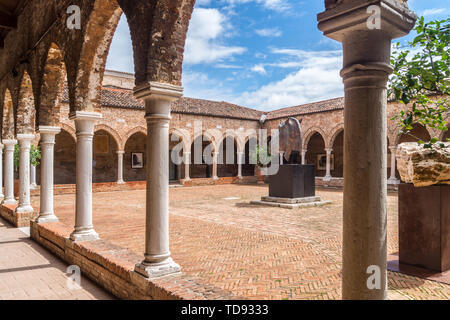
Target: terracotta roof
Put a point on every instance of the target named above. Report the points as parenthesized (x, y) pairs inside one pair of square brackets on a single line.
[(321, 106), (215, 108)]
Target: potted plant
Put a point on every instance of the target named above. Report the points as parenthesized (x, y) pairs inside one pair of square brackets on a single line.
[(35, 157)]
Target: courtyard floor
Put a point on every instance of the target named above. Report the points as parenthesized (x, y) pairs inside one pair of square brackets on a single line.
[(254, 252)]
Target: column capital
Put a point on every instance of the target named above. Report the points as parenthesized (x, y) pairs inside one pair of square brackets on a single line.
[(158, 90), (120, 152), (85, 115), (393, 148), (328, 150), (25, 137), (48, 130), (396, 20)]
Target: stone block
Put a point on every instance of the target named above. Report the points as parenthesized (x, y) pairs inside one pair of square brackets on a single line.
[(293, 181)]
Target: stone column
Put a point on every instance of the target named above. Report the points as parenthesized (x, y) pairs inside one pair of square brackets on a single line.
[(304, 156), (366, 40), (157, 98), (281, 158), (393, 179), (328, 166), (33, 184), (46, 212), (24, 173), (9, 171), (120, 167), (240, 158), (1, 171), (84, 124), (187, 161), (214, 173)]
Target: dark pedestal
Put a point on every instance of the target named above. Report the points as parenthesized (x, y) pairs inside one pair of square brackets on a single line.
[(293, 181), (424, 226)]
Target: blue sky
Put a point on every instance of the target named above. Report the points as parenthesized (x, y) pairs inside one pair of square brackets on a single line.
[(264, 54)]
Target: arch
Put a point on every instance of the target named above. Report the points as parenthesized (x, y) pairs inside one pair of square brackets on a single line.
[(309, 133), (338, 154), (136, 143), (445, 135), (102, 24), (211, 137), (184, 135), (113, 133), (64, 160), (316, 147), (224, 166), (70, 130), (54, 73), (418, 132), (334, 133), (248, 167), (201, 169), (128, 135), (8, 116), (25, 113), (105, 156)]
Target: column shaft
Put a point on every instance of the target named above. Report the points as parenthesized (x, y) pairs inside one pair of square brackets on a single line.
[(393, 179), (214, 173), (33, 184), (120, 167), (240, 158), (304, 156), (46, 212), (9, 172), (24, 172), (187, 160), (1, 171), (328, 166)]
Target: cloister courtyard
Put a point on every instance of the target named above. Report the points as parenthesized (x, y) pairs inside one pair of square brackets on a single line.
[(249, 251)]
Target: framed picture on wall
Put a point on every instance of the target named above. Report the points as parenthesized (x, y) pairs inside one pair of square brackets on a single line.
[(322, 162), (137, 160)]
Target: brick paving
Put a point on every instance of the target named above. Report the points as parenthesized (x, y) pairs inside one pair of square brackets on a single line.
[(29, 272), (255, 252)]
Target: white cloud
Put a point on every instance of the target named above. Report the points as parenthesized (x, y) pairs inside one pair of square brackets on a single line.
[(205, 30), (317, 80), (432, 12), (269, 32), (259, 69)]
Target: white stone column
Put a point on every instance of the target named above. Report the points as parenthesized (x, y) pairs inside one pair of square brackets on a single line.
[(215, 160), (33, 184), (84, 124), (366, 39), (187, 161), (9, 171), (281, 158), (1, 171), (328, 166), (46, 212), (304, 156), (240, 160), (120, 167), (157, 98), (393, 179), (24, 173)]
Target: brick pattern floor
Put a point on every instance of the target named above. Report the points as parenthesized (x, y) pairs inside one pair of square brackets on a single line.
[(28, 271), (253, 251)]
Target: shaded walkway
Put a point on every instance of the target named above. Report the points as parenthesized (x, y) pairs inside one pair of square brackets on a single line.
[(28, 271)]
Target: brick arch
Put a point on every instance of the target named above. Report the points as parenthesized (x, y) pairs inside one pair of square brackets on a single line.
[(237, 138), (8, 116), (25, 113), (185, 137), (310, 132), (100, 28), (445, 133), (113, 133), (130, 133), (211, 138), (53, 74), (70, 130), (334, 133), (417, 126)]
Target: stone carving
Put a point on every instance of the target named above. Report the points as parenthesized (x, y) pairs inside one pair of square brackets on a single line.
[(423, 167), (329, 4), (290, 137)]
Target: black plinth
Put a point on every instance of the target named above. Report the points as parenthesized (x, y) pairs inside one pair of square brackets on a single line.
[(293, 181)]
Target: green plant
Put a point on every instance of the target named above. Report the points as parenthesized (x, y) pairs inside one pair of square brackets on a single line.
[(35, 156), (261, 156), (425, 74)]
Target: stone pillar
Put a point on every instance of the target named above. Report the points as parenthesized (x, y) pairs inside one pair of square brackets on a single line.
[(187, 161), (1, 171), (328, 166), (240, 158), (33, 184), (304, 156), (366, 69), (281, 158), (9, 171), (393, 179), (84, 124), (120, 167), (157, 98), (24, 173), (214, 173), (46, 212)]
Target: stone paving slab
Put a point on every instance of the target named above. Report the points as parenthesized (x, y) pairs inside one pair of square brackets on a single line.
[(29, 272), (252, 251)]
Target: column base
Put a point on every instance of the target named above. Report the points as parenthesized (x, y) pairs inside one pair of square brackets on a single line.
[(393, 181), (9, 201), (24, 209), (85, 235), (327, 178), (215, 178), (156, 270), (120, 182), (33, 186), (47, 219)]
